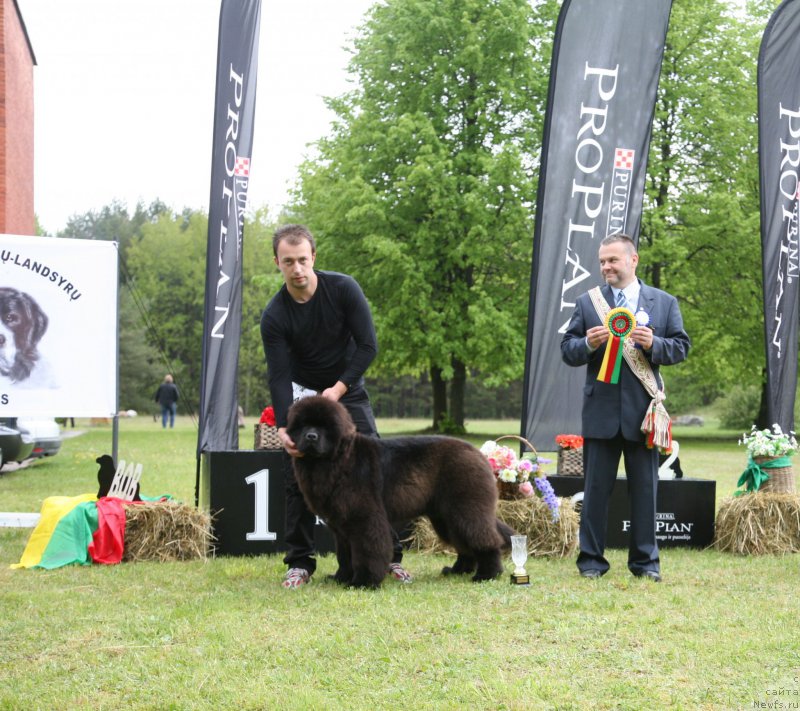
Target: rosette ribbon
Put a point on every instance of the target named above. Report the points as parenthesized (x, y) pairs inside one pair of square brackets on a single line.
[(620, 322)]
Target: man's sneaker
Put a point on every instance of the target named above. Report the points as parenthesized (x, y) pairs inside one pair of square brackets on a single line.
[(295, 577), (398, 572)]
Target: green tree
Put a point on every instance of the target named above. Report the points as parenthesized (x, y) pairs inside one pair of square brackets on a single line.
[(113, 223), (425, 189), (141, 368), (166, 264), (260, 280)]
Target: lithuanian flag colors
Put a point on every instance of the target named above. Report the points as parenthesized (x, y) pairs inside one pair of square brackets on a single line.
[(76, 529)]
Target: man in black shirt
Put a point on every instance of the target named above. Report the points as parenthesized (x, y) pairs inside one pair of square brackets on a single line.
[(318, 337)]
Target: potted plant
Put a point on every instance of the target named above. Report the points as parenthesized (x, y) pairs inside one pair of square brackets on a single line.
[(570, 455), (769, 467)]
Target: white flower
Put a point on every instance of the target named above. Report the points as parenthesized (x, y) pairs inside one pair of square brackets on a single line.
[(488, 447), (766, 443), (508, 475)]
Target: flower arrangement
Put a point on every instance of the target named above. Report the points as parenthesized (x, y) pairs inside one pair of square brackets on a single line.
[(525, 473), (766, 443), (569, 441), (570, 455), (768, 453), (268, 416)]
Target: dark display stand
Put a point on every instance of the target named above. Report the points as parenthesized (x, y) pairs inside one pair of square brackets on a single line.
[(685, 510), (244, 491)]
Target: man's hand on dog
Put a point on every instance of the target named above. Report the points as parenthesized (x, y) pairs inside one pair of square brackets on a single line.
[(288, 443)]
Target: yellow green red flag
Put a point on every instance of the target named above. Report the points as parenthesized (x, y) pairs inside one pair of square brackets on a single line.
[(63, 533)]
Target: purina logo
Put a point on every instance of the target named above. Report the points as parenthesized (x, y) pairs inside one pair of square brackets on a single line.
[(624, 159), (242, 168)]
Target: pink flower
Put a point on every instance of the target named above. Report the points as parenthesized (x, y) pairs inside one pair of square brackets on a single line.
[(526, 489), (525, 465)]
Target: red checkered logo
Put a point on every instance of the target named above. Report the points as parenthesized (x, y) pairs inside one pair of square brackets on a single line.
[(242, 168), (623, 159)]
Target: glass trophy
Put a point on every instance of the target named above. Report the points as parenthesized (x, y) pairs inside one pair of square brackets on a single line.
[(519, 554)]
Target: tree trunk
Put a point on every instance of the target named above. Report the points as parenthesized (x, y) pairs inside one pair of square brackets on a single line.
[(655, 275), (457, 390), (761, 418), (439, 386)]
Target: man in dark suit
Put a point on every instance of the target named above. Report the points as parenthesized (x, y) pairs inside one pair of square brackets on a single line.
[(613, 413)]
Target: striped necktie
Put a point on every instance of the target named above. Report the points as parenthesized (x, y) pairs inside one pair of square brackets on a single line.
[(621, 300)]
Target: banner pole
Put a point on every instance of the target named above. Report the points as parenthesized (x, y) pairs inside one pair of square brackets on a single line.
[(115, 420)]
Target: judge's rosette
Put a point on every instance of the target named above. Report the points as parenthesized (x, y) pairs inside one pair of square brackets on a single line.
[(620, 322)]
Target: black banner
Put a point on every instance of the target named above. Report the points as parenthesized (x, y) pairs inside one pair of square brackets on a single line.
[(603, 80), (779, 158), (234, 110)]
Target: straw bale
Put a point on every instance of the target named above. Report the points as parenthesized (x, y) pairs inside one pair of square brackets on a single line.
[(529, 517), (760, 523), (166, 531)]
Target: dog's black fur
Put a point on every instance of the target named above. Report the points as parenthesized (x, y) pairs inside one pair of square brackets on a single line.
[(22, 325), (361, 486)]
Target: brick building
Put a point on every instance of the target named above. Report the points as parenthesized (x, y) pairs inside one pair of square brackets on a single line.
[(16, 122)]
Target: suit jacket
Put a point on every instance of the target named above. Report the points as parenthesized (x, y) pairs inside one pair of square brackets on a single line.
[(607, 408)]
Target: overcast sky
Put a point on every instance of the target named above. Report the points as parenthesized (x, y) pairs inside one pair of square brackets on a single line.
[(124, 98)]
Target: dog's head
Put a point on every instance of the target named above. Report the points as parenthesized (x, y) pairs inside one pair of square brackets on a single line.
[(319, 427), (22, 325)]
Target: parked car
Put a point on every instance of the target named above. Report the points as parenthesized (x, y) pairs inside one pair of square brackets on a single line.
[(44, 431), (14, 445)]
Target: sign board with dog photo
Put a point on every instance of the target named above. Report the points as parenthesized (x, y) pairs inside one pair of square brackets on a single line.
[(58, 327)]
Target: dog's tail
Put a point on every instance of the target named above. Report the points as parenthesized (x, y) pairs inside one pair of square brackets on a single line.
[(505, 532)]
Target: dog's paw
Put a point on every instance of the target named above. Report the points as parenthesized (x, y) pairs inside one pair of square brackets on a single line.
[(343, 578), (451, 570)]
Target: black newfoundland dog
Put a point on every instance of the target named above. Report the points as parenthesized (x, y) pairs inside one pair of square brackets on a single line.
[(361, 486)]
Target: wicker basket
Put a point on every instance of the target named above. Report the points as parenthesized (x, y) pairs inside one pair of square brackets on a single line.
[(781, 479), (569, 462), (509, 490), (267, 437)]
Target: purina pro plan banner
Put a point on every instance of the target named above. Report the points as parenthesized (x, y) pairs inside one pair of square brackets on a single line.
[(603, 81), (234, 115), (779, 162), (58, 327)]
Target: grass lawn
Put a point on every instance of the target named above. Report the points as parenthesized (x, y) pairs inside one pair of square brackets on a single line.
[(719, 633)]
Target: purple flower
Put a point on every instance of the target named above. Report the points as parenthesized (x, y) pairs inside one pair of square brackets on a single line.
[(548, 495)]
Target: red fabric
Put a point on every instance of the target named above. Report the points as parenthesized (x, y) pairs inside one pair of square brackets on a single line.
[(108, 541)]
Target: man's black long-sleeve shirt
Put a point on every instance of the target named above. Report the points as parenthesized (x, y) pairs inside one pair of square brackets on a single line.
[(328, 338)]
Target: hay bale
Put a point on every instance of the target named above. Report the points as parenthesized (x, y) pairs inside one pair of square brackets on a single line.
[(761, 523), (166, 531), (529, 517), (532, 518)]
